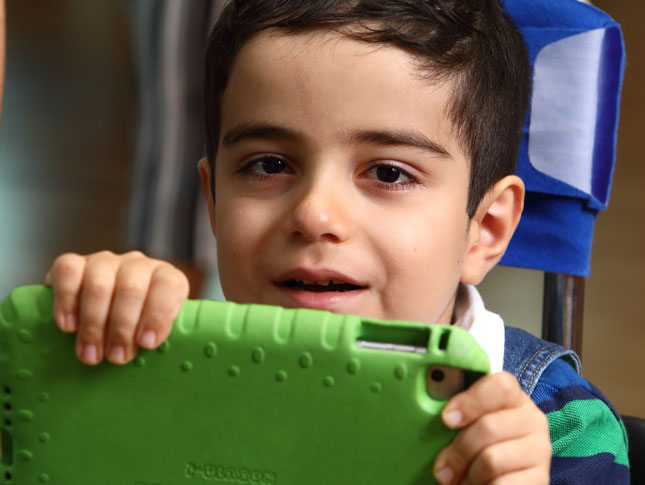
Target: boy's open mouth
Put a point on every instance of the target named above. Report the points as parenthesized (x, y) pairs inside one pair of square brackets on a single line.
[(320, 286)]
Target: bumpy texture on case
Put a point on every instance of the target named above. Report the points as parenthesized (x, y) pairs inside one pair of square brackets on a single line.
[(246, 394)]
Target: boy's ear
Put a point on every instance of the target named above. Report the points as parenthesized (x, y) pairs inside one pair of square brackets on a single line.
[(205, 175), (492, 227)]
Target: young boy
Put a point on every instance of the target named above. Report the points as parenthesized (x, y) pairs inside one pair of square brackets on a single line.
[(360, 159)]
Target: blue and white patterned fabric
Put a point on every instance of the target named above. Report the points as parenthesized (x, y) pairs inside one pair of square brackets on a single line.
[(568, 148)]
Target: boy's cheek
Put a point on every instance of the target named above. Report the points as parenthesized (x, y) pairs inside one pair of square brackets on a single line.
[(240, 250)]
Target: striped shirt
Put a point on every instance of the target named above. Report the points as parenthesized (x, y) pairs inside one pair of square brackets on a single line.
[(588, 438)]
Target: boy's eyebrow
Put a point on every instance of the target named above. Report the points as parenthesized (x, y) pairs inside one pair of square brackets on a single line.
[(404, 138), (382, 137), (258, 130)]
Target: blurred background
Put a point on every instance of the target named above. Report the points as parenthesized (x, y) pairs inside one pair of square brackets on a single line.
[(68, 142), (67, 133)]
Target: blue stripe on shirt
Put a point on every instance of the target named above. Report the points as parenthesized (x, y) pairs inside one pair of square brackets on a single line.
[(597, 469), (561, 384)]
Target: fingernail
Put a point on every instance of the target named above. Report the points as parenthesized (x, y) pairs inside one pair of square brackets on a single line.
[(89, 354), (117, 353), (59, 317), (70, 323), (452, 418), (445, 476), (148, 339)]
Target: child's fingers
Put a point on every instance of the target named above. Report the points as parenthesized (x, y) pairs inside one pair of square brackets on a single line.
[(168, 291), (131, 289), (490, 393), (96, 298), (492, 410), (508, 457), (66, 277), (477, 440)]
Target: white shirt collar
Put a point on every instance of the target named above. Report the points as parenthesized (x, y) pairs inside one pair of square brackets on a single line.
[(486, 327)]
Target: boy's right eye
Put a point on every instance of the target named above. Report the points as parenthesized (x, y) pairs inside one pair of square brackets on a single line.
[(265, 165)]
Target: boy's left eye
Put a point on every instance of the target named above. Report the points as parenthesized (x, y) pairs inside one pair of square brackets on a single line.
[(391, 175)]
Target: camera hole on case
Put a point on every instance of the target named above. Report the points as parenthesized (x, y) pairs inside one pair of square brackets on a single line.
[(444, 382)]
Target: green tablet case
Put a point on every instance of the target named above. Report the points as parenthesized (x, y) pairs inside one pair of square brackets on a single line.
[(238, 394)]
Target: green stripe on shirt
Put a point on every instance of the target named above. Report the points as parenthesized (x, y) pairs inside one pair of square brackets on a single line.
[(586, 428)]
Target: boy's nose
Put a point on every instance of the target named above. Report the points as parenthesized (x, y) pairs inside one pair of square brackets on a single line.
[(320, 213)]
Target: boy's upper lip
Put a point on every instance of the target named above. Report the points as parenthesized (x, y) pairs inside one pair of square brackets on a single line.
[(321, 274)]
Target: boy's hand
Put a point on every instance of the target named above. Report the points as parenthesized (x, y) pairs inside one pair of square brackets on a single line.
[(504, 437), (115, 302)]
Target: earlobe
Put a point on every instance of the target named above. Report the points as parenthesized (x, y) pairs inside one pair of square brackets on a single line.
[(492, 228), (205, 175)]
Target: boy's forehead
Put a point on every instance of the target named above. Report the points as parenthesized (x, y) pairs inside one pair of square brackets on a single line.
[(294, 45), (304, 50), (354, 81)]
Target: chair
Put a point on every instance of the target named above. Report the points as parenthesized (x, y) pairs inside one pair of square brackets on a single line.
[(567, 153), (566, 160), (168, 40), (636, 434), (166, 203)]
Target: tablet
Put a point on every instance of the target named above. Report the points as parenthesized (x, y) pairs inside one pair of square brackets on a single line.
[(238, 394)]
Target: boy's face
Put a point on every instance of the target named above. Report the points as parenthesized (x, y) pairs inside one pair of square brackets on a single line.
[(337, 162)]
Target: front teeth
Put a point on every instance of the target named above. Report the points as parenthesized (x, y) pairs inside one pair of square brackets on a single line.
[(321, 283)]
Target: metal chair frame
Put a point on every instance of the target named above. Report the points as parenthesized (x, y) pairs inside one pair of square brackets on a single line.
[(563, 309)]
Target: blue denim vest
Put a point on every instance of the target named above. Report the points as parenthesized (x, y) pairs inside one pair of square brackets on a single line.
[(526, 357)]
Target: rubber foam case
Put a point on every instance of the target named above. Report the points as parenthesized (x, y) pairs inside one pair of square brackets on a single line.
[(237, 394)]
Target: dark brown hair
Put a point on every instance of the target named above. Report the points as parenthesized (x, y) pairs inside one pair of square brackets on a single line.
[(472, 42)]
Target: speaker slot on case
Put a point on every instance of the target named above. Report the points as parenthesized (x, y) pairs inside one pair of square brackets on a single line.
[(393, 337), (7, 447)]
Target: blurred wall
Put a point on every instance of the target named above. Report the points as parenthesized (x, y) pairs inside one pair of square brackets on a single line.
[(65, 139)]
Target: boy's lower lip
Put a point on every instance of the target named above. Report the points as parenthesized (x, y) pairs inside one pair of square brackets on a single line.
[(327, 300)]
